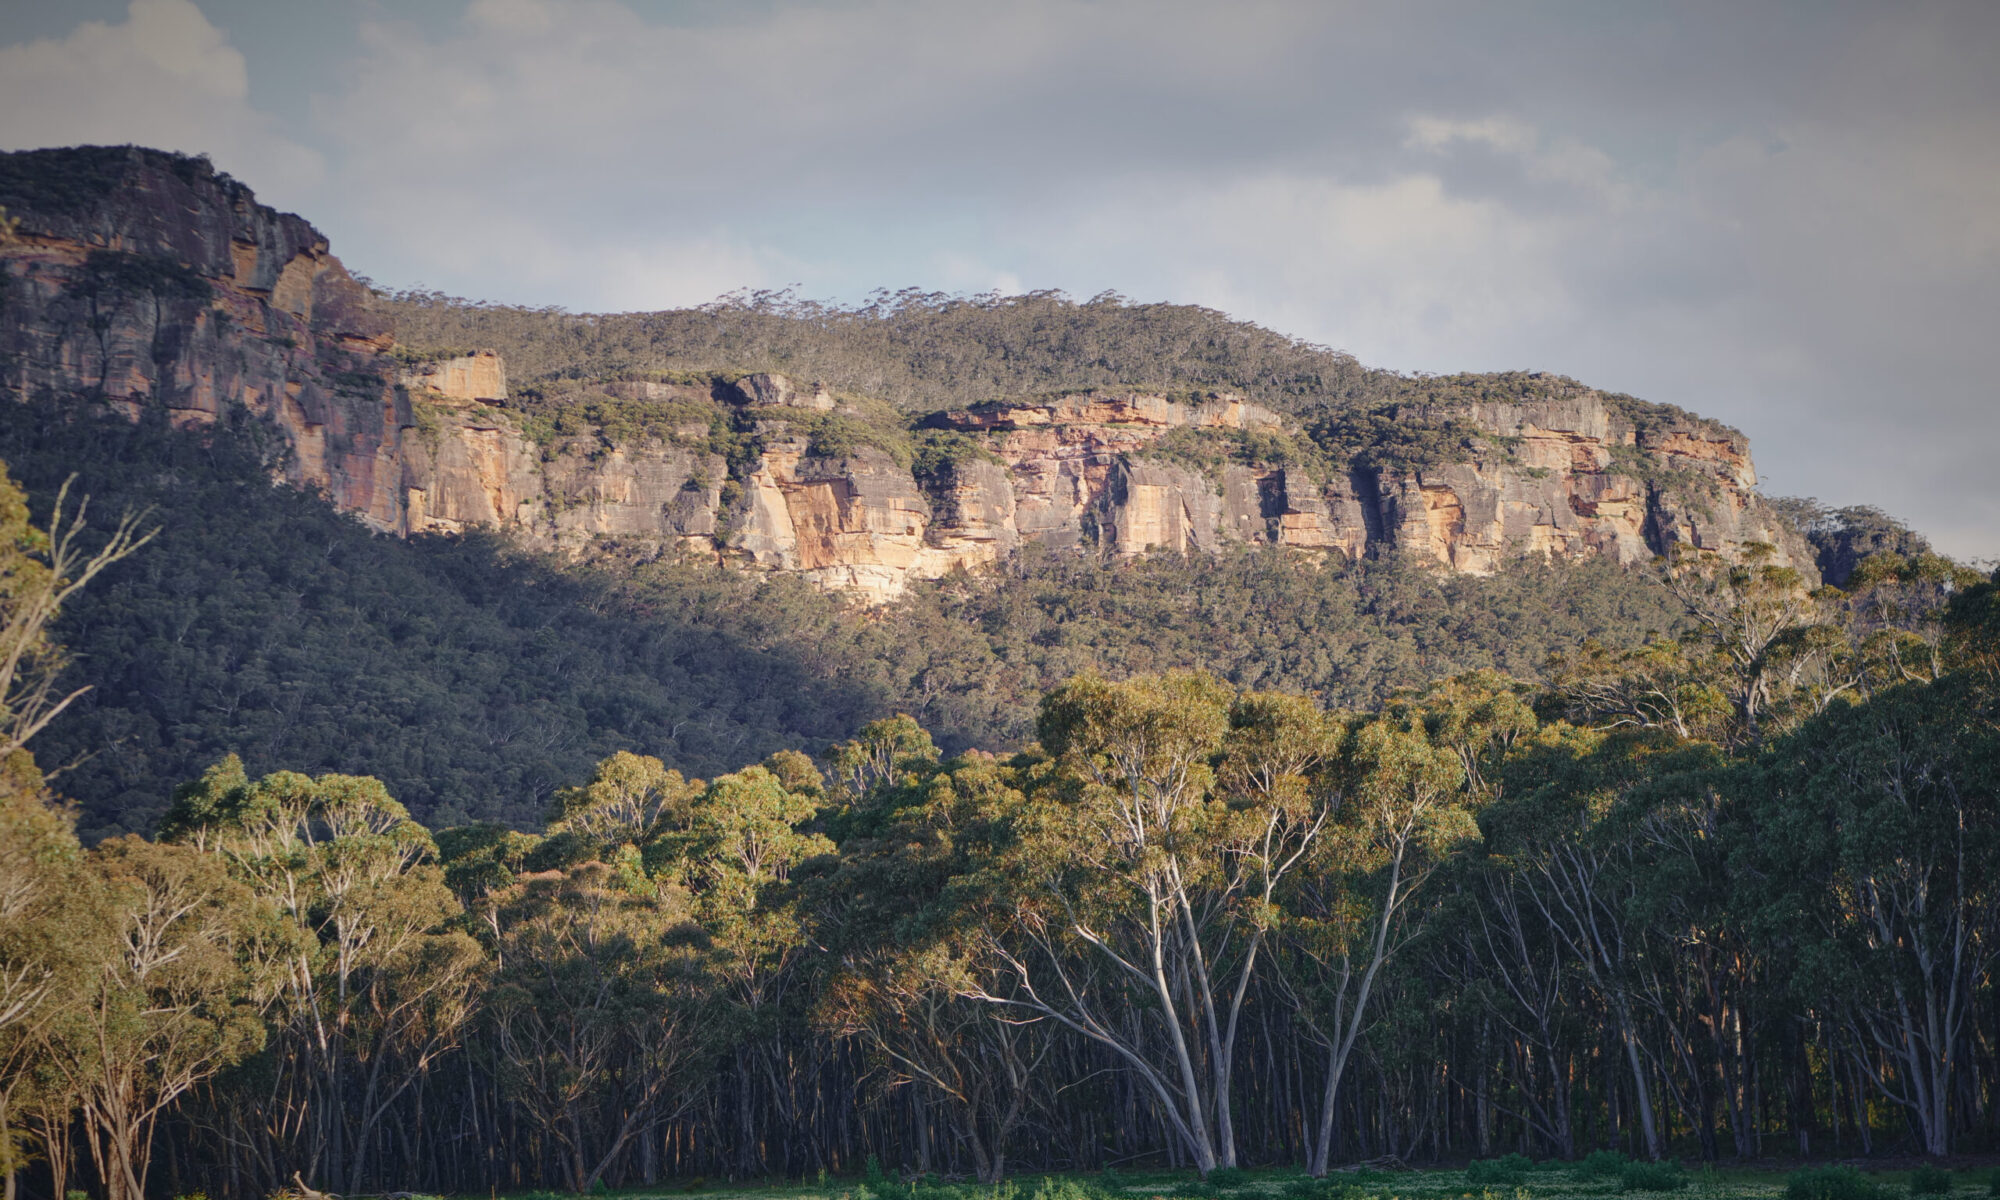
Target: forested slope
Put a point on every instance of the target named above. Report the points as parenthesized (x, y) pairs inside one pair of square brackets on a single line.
[(929, 350), (475, 680)]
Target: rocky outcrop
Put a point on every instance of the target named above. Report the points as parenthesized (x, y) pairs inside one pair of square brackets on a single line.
[(147, 281), (150, 281), (480, 376), (1568, 477), (772, 390)]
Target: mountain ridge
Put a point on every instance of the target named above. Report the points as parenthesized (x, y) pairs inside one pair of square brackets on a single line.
[(151, 279)]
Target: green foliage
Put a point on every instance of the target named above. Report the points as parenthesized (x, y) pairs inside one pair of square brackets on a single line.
[(1600, 1164), (919, 351), (1930, 1179), (1831, 1183), (1842, 538), (1228, 1178), (935, 453), (551, 418), (1394, 437), (1665, 1176), (1067, 1187), (1510, 1170), (475, 681), (1210, 450)]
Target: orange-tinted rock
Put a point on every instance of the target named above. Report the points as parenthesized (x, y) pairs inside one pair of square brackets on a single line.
[(247, 309), (479, 377)]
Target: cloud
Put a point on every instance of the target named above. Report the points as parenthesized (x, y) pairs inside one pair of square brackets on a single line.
[(163, 77)]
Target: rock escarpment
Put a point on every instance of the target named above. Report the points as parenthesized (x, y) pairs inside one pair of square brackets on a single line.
[(150, 281), (147, 281)]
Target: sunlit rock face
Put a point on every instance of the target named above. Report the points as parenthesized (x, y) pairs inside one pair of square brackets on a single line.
[(1566, 486), (147, 281)]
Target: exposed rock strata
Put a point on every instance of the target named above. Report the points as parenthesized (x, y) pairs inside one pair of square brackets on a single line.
[(173, 288)]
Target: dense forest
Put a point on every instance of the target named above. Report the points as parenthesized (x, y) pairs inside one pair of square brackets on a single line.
[(474, 680), (922, 351), (1716, 892)]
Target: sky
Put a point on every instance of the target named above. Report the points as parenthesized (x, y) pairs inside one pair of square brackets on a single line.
[(1783, 216)]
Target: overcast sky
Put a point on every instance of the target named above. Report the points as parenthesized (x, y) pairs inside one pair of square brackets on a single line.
[(1783, 216)]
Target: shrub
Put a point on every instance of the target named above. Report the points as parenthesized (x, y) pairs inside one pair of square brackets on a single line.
[(873, 1175), (1600, 1164), (1652, 1177), (1993, 1186), (1929, 1180), (1831, 1183), (1344, 1185), (1507, 1171), (1226, 1178)]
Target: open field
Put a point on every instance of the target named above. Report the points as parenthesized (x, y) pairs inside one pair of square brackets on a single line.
[(1489, 1180)]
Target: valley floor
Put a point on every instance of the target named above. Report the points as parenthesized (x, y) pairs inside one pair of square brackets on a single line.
[(1888, 1179)]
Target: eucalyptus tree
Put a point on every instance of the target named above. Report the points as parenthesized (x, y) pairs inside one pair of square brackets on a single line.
[(903, 913), (1503, 957), (1876, 828), (182, 966), (1402, 796), (1143, 878), (596, 1011), (377, 986), (1896, 609), (734, 848), (629, 799), (40, 571), (43, 967), (1564, 839), (43, 964), (1769, 634), (882, 754)]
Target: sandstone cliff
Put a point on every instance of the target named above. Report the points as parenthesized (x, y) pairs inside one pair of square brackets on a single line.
[(149, 282)]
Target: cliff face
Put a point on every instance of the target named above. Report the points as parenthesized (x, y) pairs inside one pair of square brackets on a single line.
[(1565, 477), (151, 282)]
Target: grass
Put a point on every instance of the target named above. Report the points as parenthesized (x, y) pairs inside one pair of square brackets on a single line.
[(1488, 1181)]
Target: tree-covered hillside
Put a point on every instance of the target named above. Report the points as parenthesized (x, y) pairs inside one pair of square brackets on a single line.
[(922, 351), (475, 680)]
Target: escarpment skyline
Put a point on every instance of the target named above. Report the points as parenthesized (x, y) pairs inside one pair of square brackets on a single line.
[(148, 281)]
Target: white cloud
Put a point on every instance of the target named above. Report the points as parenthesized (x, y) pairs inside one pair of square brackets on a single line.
[(1391, 271), (163, 77)]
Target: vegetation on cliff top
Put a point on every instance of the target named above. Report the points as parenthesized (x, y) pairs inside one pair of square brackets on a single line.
[(925, 351)]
